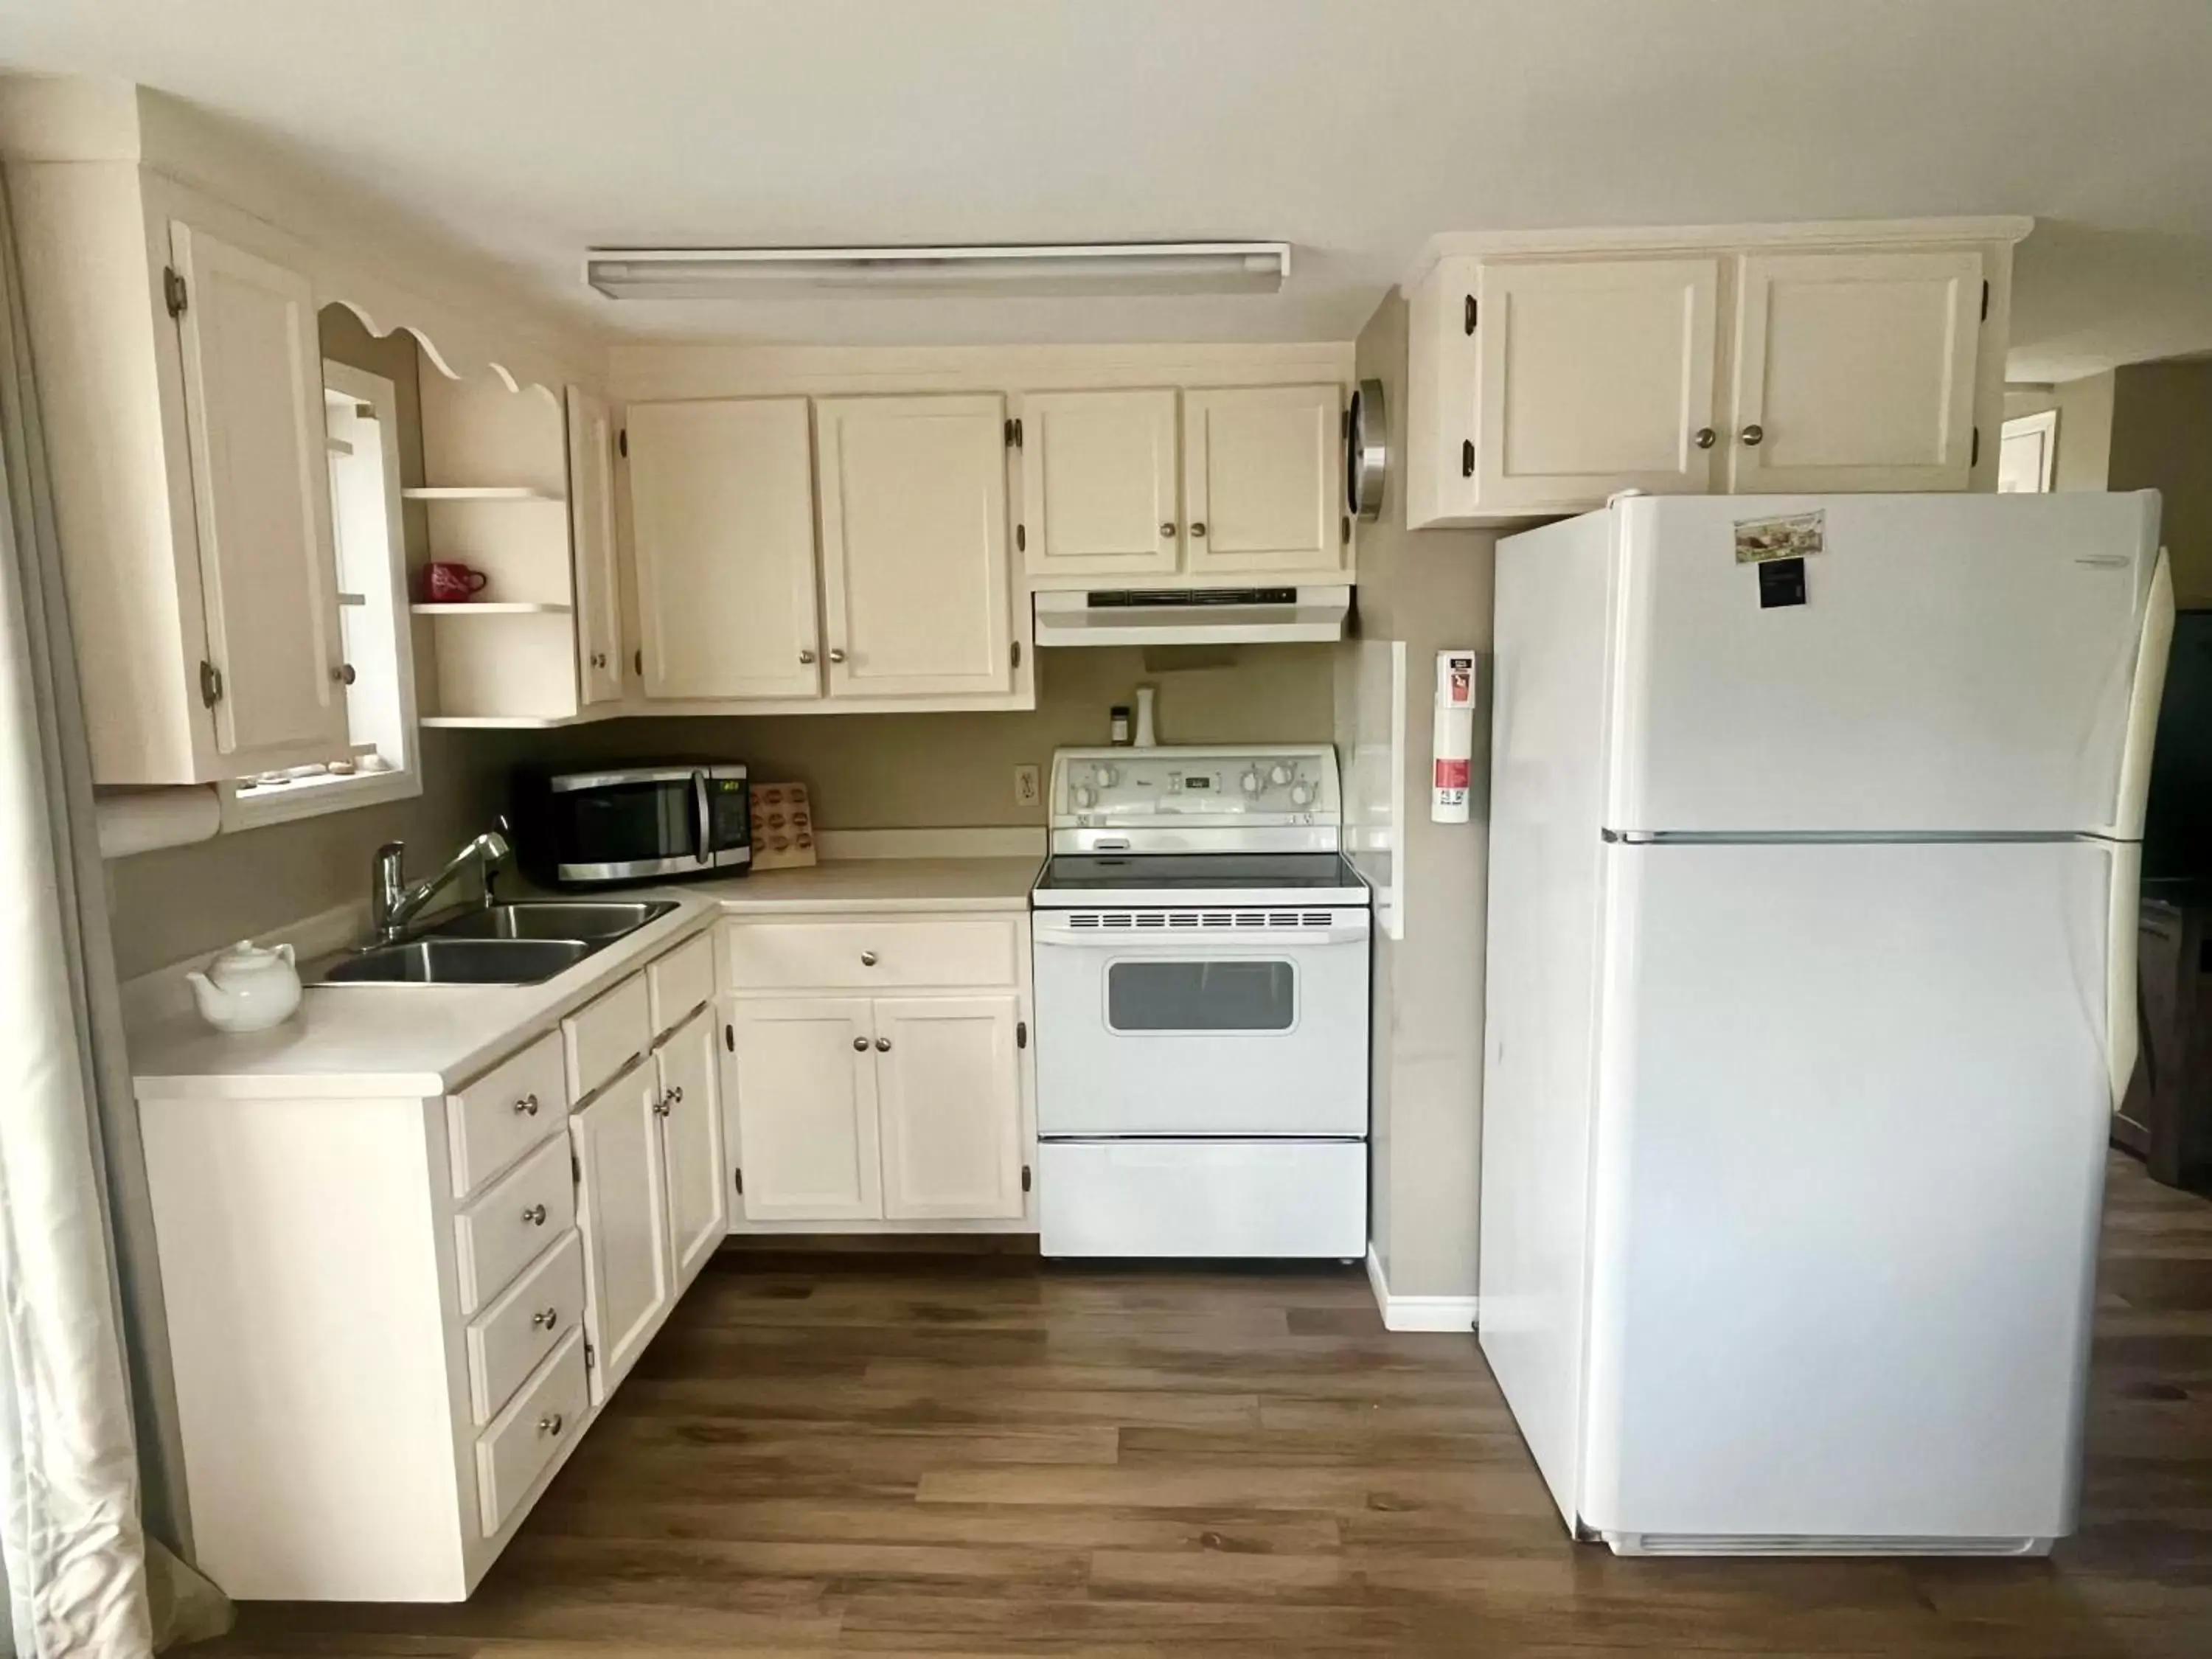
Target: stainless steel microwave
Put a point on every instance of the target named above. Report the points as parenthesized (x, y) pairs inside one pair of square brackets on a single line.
[(634, 823)]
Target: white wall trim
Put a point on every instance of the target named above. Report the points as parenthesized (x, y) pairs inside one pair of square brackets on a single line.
[(1416, 1313), (1012, 841)]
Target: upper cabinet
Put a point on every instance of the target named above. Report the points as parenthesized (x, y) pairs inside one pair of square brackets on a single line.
[(181, 386), (1546, 375), (851, 554), (592, 536), (1247, 488)]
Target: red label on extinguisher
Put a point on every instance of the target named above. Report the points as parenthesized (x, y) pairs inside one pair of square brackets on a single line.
[(1451, 774)]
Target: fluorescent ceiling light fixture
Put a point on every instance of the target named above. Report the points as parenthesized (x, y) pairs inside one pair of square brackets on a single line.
[(726, 273)]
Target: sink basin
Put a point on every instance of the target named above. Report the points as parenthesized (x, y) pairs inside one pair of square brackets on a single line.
[(595, 920), (458, 961)]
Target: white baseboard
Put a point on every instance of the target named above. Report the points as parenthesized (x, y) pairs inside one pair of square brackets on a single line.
[(1416, 1313)]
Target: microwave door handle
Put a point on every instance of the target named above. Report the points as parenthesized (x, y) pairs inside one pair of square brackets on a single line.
[(704, 813)]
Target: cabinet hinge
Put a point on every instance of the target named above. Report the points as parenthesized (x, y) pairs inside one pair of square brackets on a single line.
[(637, 663), (1025, 1177), (622, 443), (1344, 530), (211, 684), (172, 290), (591, 1356), (730, 1038), (1466, 458), (739, 1175), (1021, 1034), (1014, 432), (1974, 455), (1470, 314), (1985, 302), (576, 1169), (1021, 539), (1018, 654)]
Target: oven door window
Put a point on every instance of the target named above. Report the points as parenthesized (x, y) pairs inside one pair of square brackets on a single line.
[(630, 822), (1200, 996)]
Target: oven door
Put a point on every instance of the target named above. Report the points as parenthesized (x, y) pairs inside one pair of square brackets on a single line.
[(647, 824), (1187, 1022)]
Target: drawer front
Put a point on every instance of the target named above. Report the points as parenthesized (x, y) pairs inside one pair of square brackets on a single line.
[(514, 1335), (868, 955), (604, 1036), (505, 1112), (680, 981), (530, 1433), (502, 1232)]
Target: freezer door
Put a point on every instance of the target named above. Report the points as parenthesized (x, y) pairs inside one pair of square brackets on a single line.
[(1960, 664), (1846, 1179)]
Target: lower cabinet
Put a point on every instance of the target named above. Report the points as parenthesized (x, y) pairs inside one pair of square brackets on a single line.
[(905, 1108)]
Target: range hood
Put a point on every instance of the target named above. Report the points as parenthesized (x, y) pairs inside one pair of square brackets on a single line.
[(1202, 616)]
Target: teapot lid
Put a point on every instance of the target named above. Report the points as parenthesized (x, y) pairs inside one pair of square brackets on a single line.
[(242, 959)]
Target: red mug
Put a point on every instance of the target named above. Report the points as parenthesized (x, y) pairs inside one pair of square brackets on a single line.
[(446, 583)]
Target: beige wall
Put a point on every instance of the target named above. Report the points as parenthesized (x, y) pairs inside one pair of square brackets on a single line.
[(927, 771), (2161, 440), (184, 900), (1431, 588)]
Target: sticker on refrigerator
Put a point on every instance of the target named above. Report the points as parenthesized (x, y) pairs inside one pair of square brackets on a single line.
[(1798, 536)]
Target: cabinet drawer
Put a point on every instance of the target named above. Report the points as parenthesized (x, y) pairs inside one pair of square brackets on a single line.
[(604, 1036), (499, 1234), (505, 1112), (530, 1433), (524, 1325), (680, 981), (867, 956)]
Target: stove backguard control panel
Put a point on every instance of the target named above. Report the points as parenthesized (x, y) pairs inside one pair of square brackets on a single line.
[(1193, 787)]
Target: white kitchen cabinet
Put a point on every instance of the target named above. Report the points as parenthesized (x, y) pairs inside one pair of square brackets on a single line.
[(722, 510), (1593, 377), (592, 542), (1856, 371), (804, 1099), (1547, 371), (949, 1097), (691, 1143), (917, 589), (1101, 485), (623, 1211), (1260, 482)]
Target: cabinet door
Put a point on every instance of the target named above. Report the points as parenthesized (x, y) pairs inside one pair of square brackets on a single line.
[(722, 517), (951, 1087), (1856, 371), (1593, 377), (592, 537), (802, 1089), (261, 502), (1259, 481), (691, 1139), (623, 1212), (914, 546), (1098, 484)]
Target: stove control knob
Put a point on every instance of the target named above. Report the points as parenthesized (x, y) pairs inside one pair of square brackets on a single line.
[(1251, 783), (1301, 794), (1107, 776), (1279, 775), (1086, 797)]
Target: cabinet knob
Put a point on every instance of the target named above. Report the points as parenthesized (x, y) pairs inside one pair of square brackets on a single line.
[(528, 1104), (1198, 529), (535, 1215), (859, 1045), (807, 659), (867, 959), (836, 655), (343, 674), (883, 1045), (1753, 436), (1703, 437), (550, 1423), (1167, 530), (545, 1320)]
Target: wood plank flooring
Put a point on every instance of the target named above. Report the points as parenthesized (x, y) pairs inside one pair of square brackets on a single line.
[(843, 1453)]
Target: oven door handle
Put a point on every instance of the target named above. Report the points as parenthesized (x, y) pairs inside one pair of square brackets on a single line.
[(1197, 941), (704, 813)]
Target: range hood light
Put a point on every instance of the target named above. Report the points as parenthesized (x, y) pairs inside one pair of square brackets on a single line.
[(1168, 268)]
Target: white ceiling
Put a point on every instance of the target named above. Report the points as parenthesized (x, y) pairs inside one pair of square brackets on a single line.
[(1353, 129)]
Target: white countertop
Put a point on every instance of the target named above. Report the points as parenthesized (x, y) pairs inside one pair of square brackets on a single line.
[(417, 1040)]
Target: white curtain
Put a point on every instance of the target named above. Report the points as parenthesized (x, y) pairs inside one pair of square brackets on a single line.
[(76, 1267)]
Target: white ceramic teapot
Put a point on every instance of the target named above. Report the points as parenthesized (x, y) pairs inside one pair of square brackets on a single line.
[(247, 988)]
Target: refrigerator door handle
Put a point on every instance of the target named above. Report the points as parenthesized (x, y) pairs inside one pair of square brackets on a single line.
[(2153, 648), (2122, 1015)]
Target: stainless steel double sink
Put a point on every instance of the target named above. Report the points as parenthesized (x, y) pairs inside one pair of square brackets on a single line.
[(520, 944)]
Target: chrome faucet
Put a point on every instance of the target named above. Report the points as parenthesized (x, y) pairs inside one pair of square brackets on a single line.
[(393, 904)]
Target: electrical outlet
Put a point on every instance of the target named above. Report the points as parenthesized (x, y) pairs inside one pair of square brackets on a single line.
[(1028, 789)]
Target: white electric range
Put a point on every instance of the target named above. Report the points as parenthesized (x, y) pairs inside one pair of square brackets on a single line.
[(1201, 976)]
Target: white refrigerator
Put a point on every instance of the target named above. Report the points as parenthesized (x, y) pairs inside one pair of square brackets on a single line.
[(1811, 989)]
